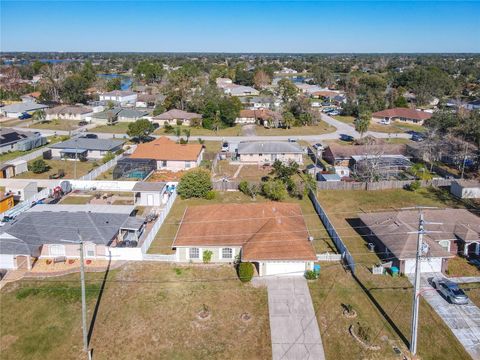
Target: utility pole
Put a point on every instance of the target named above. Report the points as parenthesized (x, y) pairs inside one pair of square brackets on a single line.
[(84, 302), (416, 285), (76, 159)]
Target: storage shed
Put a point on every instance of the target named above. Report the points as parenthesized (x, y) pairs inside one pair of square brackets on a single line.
[(466, 189)]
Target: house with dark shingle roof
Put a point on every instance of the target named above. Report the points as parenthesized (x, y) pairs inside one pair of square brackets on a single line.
[(85, 148), (40, 233), (271, 235), (453, 231), (118, 114)]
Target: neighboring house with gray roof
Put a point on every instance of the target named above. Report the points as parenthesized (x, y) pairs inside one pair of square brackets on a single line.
[(16, 110), (453, 231), (177, 117), (69, 112), (17, 140), (118, 114), (266, 152), (85, 148), (40, 233)]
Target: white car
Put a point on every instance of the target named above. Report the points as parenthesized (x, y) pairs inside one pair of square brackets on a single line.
[(225, 147)]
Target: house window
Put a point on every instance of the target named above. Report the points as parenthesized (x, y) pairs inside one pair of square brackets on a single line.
[(187, 164), (57, 250), (445, 244), (194, 253), (227, 253), (164, 163), (90, 250)]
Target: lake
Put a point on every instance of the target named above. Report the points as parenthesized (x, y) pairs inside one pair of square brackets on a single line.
[(126, 80)]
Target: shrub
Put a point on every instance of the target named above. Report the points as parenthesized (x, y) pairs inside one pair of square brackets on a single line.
[(311, 275), (207, 256), (245, 271), (210, 195), (195, 183), (38, 166), (414, 186), (243, 187), (168, 128), (107, 157), (364, 333), (274, 190)]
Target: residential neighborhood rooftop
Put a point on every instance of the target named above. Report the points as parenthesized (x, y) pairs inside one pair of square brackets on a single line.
[(268, 147), (89, 144), (165, 149)]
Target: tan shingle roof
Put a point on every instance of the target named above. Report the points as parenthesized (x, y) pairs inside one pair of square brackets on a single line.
[(177, 114), (267, 231), (404, 113)]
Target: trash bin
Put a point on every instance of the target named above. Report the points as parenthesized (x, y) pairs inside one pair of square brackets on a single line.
[(394, 270), (316, 268), (371, 247)]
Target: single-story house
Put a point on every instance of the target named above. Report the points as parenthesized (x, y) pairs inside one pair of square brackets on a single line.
[(69, 112), (266, 152), (453, 231), (19, 140), (271, 235), (262, 117), (150, 193), (309, 89), (169, 155), (85, 148), (466, 189), (146, 100), (119, 97), (16, 110), (177, 117), (33, 96), (410, 116), (341, 155), (22, 191), (118, 114), (41, 231)]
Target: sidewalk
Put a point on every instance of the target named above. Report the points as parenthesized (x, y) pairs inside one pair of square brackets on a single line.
[(293, 324)]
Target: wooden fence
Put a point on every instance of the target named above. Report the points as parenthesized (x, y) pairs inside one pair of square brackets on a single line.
[(380, 185)]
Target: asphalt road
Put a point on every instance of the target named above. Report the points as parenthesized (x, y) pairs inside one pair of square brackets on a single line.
[(341, 127)]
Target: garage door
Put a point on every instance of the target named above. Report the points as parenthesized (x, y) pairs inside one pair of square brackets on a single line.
[(426, 265), (7, 262), (284, 268)]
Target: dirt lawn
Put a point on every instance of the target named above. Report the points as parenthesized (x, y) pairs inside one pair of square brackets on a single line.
[(83, 167), (64, 125), (146, 311)]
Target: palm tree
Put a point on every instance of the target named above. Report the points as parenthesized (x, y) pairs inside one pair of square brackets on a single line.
[(39, 115), (363, 122), (216, 121), (178, 132), (187, 133)]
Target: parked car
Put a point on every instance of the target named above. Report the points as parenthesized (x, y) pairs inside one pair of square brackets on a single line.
[(345, 137), (292, 140), (83, 123), (90, 136), (327, 110), (334, 113), (318, 147), (450, 291), (25, 116), (418, 137), (225, 146)]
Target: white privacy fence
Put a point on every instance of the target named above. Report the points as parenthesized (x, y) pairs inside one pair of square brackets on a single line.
[(158, 224), (102, 185), (25, 205), (329, 257)]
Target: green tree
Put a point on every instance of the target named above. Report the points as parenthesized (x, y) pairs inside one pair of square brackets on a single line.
[(400, 101), (363, 122), (323, 76), (187, 133), (140, 129), (107, 157), (195, 183), (245, 271), (38, 166), (39, 115), (114, 84), (288, 119), (149, 71), (159, 109), (287, 89), (274, 189), (88, 72), (73, 89)]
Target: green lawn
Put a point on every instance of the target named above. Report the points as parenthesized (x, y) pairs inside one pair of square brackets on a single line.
[(65, 125), (342, 208), (345, 119), (147, 311), (321, 128), (118, 128), (82, 168), (14, 154), (199, 131)]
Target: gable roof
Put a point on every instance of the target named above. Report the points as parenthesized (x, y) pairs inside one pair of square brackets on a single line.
[(263, 114), (34, 228), (67, 109), (403, 113), (269, 147), (266, 231), (9, 136), (165, 149), (174, 114), (23, 107), (396, 229), (120, 112), (89, 144)]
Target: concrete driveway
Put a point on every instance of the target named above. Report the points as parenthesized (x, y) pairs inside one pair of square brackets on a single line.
[(293, 324), (463, 320)]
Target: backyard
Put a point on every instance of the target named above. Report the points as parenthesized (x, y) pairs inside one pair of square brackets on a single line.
[(118, 128), (153, 306), (68, 167), (164, 239)]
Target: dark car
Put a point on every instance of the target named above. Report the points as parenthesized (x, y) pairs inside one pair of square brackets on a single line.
[(25, 116), (83, 123), (345, 137), (418, 137), (450, 291), (90, 136)]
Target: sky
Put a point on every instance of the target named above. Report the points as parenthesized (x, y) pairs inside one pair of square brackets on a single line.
[(240, 27)]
